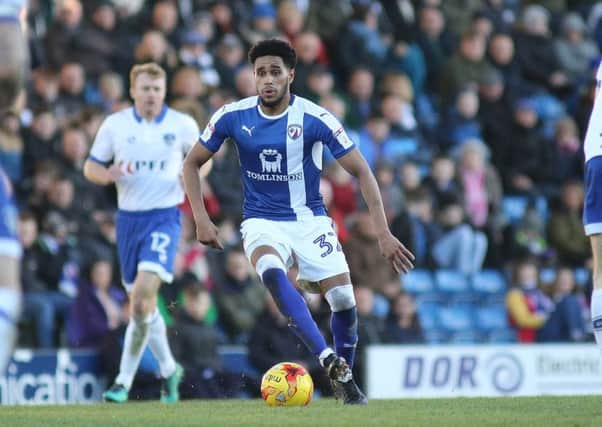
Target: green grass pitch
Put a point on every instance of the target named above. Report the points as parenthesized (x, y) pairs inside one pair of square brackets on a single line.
[(533, 411)]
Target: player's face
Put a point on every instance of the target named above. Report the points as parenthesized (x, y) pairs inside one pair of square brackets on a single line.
[(148, 94), (273, 80)]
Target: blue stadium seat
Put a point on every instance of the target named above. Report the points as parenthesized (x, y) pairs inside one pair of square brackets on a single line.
[(457, 318), (427, 314), (420, 284), (501, 336), (381, 306), (465, 337), (582, 276), (547, 275), (489, 285), (454, 286), (435, 336), (418, 281), (514, 207), (235, 360), (489, 318)]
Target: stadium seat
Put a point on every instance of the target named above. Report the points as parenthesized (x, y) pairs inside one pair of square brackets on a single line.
[(454, 286), (435, 336), (489, 285), (381, 306), (427, 314), (458, 318), (465, 337), (501, 336), (582, 276), (420, 284), (514, 207), (547, 275), (489, 318), (236, 360)]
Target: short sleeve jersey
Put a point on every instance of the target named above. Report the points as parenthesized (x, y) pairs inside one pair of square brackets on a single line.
[(149, 153), (593, 135), (280, 156)]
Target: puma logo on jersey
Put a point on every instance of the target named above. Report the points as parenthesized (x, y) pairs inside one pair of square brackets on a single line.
[(246, 129)]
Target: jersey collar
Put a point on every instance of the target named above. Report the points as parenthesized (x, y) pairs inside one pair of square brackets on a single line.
[(157, 119), (265, 116)]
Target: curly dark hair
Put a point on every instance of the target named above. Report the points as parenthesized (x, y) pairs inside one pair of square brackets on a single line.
[(274, 47)]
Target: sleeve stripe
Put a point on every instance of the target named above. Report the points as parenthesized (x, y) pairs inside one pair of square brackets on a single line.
[(97, 160)]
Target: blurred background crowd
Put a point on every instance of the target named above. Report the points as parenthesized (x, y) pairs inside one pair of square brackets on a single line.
[(471, 114)]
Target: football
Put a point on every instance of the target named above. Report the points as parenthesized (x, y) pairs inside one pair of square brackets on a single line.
[(287, 384)]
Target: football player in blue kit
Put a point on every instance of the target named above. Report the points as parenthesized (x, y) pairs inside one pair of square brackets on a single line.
[(280, 138), (13, 72), (141, 150)]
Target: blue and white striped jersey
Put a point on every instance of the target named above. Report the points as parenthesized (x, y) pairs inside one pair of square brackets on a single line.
[(280, 156)]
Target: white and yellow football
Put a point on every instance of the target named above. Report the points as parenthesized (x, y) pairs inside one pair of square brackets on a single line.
[(287, 384)]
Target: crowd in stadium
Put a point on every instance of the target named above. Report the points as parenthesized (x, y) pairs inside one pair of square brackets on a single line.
[(472, 119)]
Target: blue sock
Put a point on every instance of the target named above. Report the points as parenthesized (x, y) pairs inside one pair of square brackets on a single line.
[(293, 306), (344, 331)]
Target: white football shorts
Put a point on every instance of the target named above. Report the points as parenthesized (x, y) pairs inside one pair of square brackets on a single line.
[(312, 242)]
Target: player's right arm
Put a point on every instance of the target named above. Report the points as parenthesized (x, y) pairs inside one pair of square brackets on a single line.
[(98, 167), (211, 139)]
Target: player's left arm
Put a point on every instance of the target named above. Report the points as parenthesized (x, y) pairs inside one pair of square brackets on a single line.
[(391, 248)]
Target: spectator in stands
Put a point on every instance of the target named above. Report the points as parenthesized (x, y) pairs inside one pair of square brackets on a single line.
[(11, 147), (290, 20), (239, 295), (224, 181), (262, 24), (461, 122), (244, 84), (110, 86), (567, 322), (50, 296), (415, 226), (501, 53), (480, 185), (164, 18), (40, 139), (442, 179), (567, 156), (64, 30), (320, 83), (230, 57), (98, 307), (535, 50), (465, 67), (344, 189), (362, 44), (367, 267), (360, 92), (337, 216), (408, 58), (400, 115), (525, 157), (44, 90), (71, 99), (153, 47), (574, 50), (457, 245), (402, 325), (194, 53), (369, 326), (374, 139), (410, 178), (528, 307), (194, 341), (565, 227), (270, 346), (187, 83), (384, 173), (436, 43), (36, 188)]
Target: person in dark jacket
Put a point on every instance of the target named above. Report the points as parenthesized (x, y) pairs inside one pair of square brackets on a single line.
[(97, 309), (194, 343), (268, 346)]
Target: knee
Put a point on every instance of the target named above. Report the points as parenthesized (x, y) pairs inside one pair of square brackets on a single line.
[(340, 298), (269, 262)]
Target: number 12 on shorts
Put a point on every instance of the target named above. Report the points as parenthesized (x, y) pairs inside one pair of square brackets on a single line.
[(159, 243), (327, 246)]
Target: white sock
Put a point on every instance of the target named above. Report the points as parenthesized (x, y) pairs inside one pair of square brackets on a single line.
[(136, 338), (157, 341), (597, 316), (325, 353), (10, 309)]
